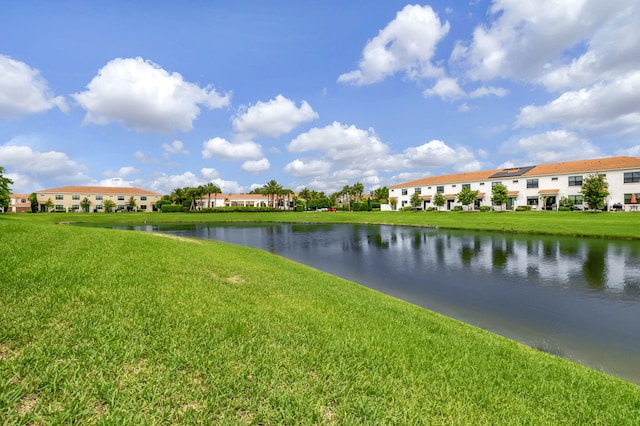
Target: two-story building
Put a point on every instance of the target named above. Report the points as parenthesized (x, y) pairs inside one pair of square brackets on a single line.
[(70, 198), (541, 186)]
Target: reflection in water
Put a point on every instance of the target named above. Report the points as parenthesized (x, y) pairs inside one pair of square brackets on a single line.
[(580, 297)]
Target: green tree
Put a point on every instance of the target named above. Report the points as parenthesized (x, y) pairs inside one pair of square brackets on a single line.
[(357, 189), (415, 200), (439, 200), (5, 190), (131, 204), (467, 197), (33, 199), (212, 188), (85, 204), (499, 195), (595, 190), (48, 205), (166, 199), (380, 194), (305, 194), (272, 190), (109, 206)]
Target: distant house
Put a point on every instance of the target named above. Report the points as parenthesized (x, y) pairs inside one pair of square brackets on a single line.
[(69, 198), (19, 203), (245, 200), (541, 186)]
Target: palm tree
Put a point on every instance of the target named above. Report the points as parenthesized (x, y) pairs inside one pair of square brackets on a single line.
[(306, 195), (212, 188), (178, 196), (357, 190), (271, 189)]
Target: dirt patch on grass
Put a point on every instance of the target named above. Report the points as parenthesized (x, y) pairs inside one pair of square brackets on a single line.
[(235, 279), (26, 405), (5, 351), (177, 238)]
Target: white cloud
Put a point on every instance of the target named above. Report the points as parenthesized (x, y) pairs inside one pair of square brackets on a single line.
[(446, 88), (115, 182), (24, 91), (464, 107), (50, 164), (436, 153), (165, 184), (341, 143), (608, 107), (488, 91), (23, 183), (256, 166), (273, 118), (229, 186), (524, 37), (209, 173), (176, 148), (407, 44), (553, 146), (121, 172), (301, 168), (221, 148), (144, 97), (633, 151)]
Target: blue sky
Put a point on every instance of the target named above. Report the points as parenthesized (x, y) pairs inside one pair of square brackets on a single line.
[(316, 94)]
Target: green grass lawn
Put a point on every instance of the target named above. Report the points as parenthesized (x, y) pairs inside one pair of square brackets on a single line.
[(99, 326)]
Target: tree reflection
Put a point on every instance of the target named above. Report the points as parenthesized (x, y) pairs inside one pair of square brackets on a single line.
[(594, 266)]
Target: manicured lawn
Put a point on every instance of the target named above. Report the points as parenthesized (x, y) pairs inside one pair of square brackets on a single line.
[(112, 327)]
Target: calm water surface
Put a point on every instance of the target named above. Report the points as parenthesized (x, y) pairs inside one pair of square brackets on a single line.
[(577, 298)]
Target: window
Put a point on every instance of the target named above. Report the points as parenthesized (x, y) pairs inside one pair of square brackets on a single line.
[(75, 197), (143, 207), (99, 207), (515, 181), (98, 197), (59, 197), (532, 183), (121, 207), (496, 183), (440, 188), (404, 191), (532, 201), (629, 198), (481, 183), (575, 180), (466, 185), (554, 179), (143, 198), (453, 186), (59, 207), (632, 177), (120, 197), (428, 187), (418, 190), (577, 199), (75, 207)]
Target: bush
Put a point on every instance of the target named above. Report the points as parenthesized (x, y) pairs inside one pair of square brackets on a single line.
[(361, 207), (430, 209), (485, 208), (523, 208), (564, 209), (172, 208), (457, 208)]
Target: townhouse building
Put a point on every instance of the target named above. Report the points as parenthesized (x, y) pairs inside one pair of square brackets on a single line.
[(70, 198), (539, 186), (19, 203)]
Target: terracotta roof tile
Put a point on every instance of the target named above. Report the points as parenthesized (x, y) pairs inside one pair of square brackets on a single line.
[(97, 190)]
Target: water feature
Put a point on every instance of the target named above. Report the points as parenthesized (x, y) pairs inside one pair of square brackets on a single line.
[(577, 298)]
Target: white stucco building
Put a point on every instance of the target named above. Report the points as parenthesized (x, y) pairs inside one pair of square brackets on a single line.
[(540, 186)]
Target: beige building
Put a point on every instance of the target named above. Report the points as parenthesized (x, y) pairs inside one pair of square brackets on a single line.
[(19, 203), (70, 198)]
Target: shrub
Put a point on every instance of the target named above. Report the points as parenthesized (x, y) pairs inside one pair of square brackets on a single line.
[(361, 207), (430, 209), (564, 209), (171, 208), (457, 208), (485, 208), (523, 208)]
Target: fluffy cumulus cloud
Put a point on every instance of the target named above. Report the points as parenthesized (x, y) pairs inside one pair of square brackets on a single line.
[(144, 97), (552, 146), (209, 173), (164, 183), (407, 44), (229, 186), (610, 107), (529, 39), (308, 168), (446, 88), (436, 153), (49, 164), (115, 182), (256, 166), (273, 118), (238, 151), (175, 148), (23, 90), (121, 172)]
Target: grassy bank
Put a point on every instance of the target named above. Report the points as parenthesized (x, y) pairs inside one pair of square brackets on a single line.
[(103, 326), (599, 225)]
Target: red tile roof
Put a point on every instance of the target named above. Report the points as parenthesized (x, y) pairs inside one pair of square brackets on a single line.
[(97, 190), (583, 166)]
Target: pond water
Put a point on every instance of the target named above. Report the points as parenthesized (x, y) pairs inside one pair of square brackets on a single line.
[(574, 297)]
